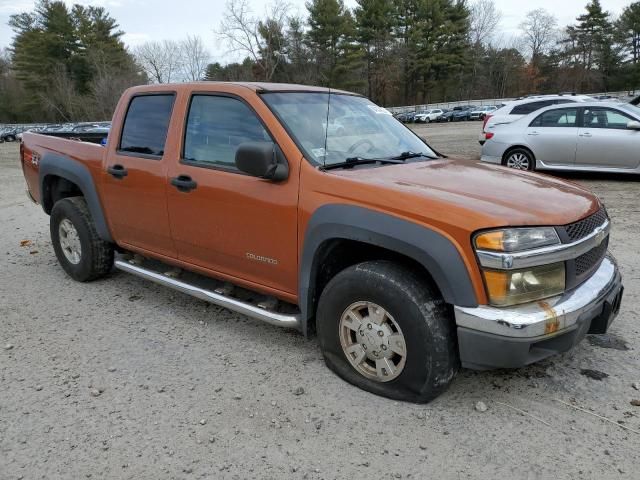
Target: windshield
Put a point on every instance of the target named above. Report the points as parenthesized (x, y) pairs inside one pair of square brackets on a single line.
[(331, 128)]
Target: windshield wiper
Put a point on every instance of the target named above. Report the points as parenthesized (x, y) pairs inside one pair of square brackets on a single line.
[(407, 155), (353, 161)]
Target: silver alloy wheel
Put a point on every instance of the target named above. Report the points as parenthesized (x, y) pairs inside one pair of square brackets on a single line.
[(518, 160), (372, 341), (70, 241)]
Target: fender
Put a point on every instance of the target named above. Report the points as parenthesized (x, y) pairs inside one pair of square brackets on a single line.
[(64, 167), (436, 253)]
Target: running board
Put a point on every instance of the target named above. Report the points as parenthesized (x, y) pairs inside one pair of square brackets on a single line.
[(233, 304)]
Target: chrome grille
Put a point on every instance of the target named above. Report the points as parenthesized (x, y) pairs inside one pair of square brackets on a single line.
[(584, 227), (587, 262)]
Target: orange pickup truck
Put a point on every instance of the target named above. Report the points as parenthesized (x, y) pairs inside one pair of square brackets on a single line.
[(315, 209)]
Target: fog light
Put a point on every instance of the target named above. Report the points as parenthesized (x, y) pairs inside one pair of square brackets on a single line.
[(520, 286)]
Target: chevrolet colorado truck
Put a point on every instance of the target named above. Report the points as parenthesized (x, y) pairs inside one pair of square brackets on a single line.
[(406, 264)]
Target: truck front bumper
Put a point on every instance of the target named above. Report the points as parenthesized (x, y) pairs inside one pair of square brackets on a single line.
[(491, 337)]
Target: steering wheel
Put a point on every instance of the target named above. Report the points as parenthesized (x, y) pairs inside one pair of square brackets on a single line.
[(359, 143)]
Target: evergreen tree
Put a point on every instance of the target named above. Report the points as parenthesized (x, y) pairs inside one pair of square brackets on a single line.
[(374, 25), (629, 32), (330, 39), (593, 47), (63, 57)]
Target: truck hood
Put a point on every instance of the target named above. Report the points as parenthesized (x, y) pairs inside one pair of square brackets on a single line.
[(475, 195)]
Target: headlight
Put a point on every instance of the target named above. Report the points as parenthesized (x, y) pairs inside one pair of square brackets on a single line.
[(508, 286), (517, 239), (511, 287)]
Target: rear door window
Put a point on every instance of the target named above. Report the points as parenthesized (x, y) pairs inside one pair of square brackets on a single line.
[(562, 117), (145, 126)]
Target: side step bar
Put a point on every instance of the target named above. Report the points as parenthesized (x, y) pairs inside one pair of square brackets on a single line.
[(274, 318)]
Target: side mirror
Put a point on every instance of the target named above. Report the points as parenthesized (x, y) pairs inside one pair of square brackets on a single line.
[(262, 160), (633, 125)]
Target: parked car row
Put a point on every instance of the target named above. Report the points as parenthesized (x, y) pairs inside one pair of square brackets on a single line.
[(14, 133), (456, 114), (11, 134)]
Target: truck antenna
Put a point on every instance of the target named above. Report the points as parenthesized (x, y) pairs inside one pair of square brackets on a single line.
[(326, 128)]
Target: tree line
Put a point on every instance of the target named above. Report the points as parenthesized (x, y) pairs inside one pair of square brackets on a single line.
[(70, 63), (404, 52)]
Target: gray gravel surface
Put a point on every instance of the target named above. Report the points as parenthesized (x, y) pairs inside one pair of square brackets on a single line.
[(121, 378)]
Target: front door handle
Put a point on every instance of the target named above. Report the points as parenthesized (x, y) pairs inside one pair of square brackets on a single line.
[(184, 183), (586, 134), (117, 171)]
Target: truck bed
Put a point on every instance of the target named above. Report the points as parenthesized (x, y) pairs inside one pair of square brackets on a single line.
[(36, 146)]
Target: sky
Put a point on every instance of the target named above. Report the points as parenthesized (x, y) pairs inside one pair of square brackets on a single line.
[(167, 19)]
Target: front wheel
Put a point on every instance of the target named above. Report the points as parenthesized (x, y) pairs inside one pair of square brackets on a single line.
[(384, 329), (78, 247)]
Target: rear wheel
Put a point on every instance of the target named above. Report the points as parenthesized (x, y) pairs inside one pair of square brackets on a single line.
[(79, 249), (385, 330), (520, 159)]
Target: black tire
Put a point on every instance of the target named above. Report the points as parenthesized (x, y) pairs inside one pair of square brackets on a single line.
[(10, 138), (531, 161), (96, 257), (424, 319)]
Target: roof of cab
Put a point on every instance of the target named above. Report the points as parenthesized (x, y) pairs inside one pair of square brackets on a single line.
[(255, 86)]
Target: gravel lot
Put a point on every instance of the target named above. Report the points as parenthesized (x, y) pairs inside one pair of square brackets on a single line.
[(124, 379)]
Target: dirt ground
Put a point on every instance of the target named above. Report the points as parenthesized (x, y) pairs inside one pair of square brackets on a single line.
[(121, 378)]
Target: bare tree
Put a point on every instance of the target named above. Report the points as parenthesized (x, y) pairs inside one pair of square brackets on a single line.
[(161, 61), (195, 58), (261, 40), (108, 84), (61, 98), (540, 32), (485, 18)]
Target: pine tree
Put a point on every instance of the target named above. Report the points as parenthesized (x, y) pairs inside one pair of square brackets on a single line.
[(330, 39), (594, 49), (629, 26), (69, 61), (374, 25), (628, 36)]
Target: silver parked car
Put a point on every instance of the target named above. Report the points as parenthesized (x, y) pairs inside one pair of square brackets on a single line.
[(518, 109), (599, 136)]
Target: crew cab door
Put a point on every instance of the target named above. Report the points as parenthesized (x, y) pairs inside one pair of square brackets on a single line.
[(553, 136), (241, 227), (605, 141), (134, 187)]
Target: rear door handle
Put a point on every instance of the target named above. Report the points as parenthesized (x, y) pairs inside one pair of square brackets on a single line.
[(533, 134), (586, 134), (184, 183), (117, 171)]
